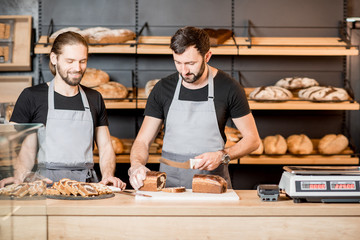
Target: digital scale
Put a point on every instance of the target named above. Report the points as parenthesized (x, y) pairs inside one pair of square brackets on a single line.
[(327, 184)]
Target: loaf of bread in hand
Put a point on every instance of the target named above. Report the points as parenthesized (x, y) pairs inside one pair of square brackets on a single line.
[(299, 144), (270, 93), (333, 144), (154, 181), (275, 144), (203, 183), (293, 83)]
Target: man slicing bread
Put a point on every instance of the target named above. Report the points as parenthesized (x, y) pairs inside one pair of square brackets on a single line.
[(194, 105), (74, 116)]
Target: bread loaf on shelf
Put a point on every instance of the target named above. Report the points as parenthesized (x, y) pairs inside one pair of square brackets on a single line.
[(94, 77), (275, 144), (293, 83), (60, 31), (299, 144), (218, 36), (154, 181), (203, 183), (270, 93), (112, 36), (321, 93), (333, 144), (112, 90), (149, 86)]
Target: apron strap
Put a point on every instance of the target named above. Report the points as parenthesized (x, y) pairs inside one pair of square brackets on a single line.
[(61, 166)]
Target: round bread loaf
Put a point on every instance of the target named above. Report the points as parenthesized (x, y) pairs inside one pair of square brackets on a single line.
[(320, 93), (299, 144), (293, 83), (117, 145), (94, 77), (333, 144), (57, 33), (149, 86), (112, 90), (259, 150), (275, 144), (270, 93)]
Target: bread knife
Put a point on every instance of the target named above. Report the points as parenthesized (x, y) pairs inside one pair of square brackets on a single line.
[(127, 192), (189, 164)]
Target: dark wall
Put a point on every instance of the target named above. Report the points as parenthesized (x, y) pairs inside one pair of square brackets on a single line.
[(276, 18)]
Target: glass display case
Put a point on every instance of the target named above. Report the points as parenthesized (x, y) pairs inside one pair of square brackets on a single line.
[(21, 213)]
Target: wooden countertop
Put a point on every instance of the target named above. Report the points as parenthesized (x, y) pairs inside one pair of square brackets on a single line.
[(124, 205)]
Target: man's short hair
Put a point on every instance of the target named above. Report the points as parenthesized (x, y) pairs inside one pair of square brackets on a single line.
[(66, 38), (190, 36)]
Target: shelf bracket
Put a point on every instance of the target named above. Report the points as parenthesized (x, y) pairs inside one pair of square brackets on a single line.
[(344, 35), (49, 32), (248, 25), (146, 25)]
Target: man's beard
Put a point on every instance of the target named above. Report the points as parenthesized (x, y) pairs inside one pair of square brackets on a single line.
[(196, 77), (65, 76)]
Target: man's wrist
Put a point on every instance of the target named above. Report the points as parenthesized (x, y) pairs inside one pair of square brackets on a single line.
[(225, 158)]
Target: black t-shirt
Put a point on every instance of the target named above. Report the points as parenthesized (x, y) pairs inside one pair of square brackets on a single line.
[(229, 98), (32, 105)]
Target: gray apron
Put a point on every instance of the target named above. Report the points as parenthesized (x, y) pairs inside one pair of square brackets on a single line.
[(66, 143), (191, 129)]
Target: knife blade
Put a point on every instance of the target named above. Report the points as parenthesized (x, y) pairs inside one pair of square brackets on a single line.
[(127, 192), (189, 164)]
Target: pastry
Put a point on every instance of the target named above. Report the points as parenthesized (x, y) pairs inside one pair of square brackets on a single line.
[(270, 93), (149, 86), (73, 187), (20, 190), (154, 181), (174, 189), (218, 36), (94, 77), (275, 144), (87, 190), (293, 83), (101, 188), (299, 144), (202, 183), (112, 90), (333, 144), (320, 93)]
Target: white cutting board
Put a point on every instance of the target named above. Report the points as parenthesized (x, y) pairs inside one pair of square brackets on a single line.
[(230, 195)]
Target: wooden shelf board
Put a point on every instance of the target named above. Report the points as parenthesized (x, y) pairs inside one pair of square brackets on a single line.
[(304, 105), (288, 105), (21, 60), (308, 160), (260, 46)]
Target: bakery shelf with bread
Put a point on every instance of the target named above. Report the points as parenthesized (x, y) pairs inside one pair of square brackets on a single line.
[(300, 149), (15, 42)]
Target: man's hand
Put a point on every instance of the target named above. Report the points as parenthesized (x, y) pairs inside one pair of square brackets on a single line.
[(137, 175), (210, 161), (9, 180), (116, 182)]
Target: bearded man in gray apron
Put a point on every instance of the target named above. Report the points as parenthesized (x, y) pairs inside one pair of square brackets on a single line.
[(194, 105), (73, 117)]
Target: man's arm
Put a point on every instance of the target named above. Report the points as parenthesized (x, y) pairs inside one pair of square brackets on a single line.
[(249, 143), (140, 150), (107, 160), (24, 162)]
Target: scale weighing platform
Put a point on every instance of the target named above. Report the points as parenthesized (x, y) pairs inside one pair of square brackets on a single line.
[(327, 184)]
